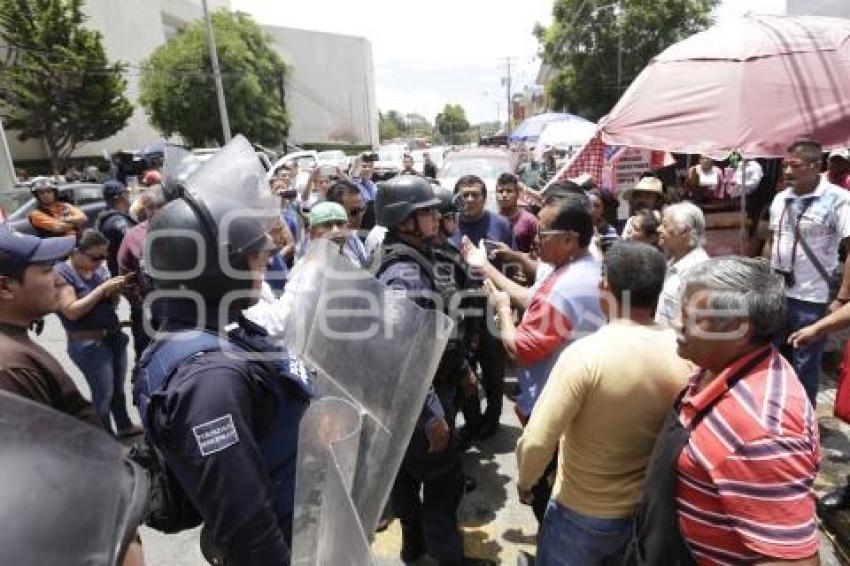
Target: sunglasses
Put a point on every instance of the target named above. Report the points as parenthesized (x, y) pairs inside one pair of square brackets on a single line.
[(356, 211)]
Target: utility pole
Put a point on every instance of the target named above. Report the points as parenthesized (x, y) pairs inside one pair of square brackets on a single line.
[(506, 81), (281, 87), (219, 89), (618, 11)]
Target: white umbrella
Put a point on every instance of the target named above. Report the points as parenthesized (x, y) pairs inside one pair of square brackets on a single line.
[(574, 133)]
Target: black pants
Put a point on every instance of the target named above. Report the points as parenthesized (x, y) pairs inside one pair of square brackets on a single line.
[(140, 342), (491, 357), (433, 515), (428, 489)]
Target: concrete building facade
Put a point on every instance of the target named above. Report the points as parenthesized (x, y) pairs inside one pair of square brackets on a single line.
[(330, 94)]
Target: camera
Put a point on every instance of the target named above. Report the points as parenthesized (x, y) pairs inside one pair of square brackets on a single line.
[(787, 275)]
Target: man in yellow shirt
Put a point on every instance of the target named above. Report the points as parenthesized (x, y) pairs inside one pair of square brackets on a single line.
[(604, 402)]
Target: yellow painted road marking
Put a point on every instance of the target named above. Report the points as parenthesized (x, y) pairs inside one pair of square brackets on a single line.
[(495, 541)]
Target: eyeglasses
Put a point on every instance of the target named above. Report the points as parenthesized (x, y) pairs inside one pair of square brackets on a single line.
[(544, 233)]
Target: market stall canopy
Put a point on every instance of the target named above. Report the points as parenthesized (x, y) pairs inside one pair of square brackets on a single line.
[(567, 133), (754, 84), (531, 128)]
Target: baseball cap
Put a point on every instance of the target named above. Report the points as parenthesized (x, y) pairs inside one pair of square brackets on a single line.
[(325, 212), (842, 153), (151, 178), (18, 250), (112, 189)]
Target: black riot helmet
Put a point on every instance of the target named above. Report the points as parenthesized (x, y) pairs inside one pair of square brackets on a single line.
[(69, 494), (201, 241), (449, 202), (400, 197)]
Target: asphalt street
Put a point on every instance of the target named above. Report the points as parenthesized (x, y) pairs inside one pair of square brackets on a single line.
[(494, 523)]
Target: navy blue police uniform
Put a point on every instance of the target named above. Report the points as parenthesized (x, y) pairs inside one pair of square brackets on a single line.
[(227, 426), (430, 520)]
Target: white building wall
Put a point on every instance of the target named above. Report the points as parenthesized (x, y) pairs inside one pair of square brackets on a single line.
[(330, 90), (332, 85), (829, 8)]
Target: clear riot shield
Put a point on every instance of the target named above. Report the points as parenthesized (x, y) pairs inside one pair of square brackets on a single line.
[(375, 353), (67, 494)]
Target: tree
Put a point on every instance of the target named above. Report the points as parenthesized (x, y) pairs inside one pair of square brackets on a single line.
[(57, 83), (178, 89), (390, 125), (452, 124), (584, 39)]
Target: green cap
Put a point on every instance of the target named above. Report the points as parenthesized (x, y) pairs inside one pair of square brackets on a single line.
[(325, 212)]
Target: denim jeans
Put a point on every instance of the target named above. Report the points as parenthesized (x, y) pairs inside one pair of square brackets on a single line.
[(104, 365), (806, 360), (567, 538)]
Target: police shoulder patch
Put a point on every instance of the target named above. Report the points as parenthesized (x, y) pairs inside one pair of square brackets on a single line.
[(216, 435)]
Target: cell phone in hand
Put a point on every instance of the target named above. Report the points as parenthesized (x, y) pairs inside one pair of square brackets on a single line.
[(490, 246)]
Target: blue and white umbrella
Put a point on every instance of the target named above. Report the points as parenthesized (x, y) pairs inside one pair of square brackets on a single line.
[(530, 129)]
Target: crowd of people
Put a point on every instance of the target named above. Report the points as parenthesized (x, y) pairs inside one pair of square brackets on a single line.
[(667, 399)]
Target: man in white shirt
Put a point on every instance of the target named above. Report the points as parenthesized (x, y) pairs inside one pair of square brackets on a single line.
[(682, 236), (809, 222)]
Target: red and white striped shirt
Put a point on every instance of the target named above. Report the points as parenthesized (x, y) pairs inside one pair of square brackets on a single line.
[(745, 477)]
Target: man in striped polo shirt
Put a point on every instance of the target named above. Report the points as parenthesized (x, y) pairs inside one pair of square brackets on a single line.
[(730, 479)]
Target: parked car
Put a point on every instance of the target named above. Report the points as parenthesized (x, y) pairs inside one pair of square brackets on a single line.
[(205, 154), (334, 158), (88, 197), (485, 163), (389, 163)]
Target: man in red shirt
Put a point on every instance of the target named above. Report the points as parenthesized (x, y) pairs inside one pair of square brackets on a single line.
[(523, 223), (730, 478), (838, 168)]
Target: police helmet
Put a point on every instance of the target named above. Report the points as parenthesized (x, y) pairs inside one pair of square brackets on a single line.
[(40, 184), (201, 240), (449, 201), (400, 197)]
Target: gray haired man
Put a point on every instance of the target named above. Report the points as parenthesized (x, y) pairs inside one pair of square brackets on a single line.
[(682, 236), (730, 477)]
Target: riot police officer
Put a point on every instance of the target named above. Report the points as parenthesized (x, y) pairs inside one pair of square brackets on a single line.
[(218, 401), (406, 262), (114, 221), (467, 311)]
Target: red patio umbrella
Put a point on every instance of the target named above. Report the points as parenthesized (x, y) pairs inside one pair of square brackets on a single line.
[(753, 84)]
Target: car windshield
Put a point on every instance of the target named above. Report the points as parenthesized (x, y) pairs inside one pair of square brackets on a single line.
[(306, 163), (12, 200), (390, 155), (484, 167)]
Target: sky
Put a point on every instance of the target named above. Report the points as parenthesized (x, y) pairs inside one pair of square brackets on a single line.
[(427, 54)]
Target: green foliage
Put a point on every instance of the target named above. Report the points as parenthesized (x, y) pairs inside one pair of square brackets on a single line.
[(178, 89), (453, 125), (390, 125), (57, 83), (582, 45)]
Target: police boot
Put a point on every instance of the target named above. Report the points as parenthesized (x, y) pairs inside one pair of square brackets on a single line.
[(835, 500), (412, 541)]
